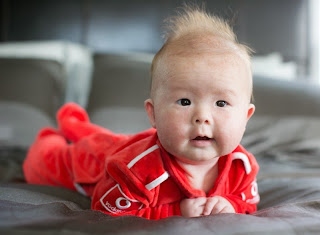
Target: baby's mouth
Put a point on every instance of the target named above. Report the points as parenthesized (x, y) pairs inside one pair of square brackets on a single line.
[(202, 138), (202, 141)]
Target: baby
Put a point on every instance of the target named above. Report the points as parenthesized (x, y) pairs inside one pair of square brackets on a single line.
[(191, 162)]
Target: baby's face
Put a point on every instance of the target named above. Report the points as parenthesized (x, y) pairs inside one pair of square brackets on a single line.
[(201, 106)]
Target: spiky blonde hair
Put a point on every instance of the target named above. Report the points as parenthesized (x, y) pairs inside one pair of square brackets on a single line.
[(193, 19), (194, 25)]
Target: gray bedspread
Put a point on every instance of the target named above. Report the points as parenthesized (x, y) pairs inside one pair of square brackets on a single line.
[(287, 149)]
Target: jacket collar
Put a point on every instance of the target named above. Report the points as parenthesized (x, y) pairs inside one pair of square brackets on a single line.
[(178, 174)]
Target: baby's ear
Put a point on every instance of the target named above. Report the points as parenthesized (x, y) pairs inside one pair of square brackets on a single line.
[(251, 110), (148, 105)]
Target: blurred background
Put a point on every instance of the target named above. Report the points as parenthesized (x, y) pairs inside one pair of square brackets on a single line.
[(98, 54), (283, 33)]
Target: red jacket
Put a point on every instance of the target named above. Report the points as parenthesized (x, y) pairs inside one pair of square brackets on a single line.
[(130, 175)]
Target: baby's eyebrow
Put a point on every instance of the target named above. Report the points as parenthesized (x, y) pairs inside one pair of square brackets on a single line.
[(227, 91), (231, 92)]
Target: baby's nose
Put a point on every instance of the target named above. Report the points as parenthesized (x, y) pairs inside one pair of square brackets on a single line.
[(202, 118), (202, 121)]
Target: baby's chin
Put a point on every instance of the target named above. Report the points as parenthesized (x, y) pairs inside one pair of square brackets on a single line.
[(203, 160)]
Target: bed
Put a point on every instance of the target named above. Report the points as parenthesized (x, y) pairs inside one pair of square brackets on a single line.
[(284, 135)]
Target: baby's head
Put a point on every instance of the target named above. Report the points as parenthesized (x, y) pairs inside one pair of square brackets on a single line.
[(201, 88)]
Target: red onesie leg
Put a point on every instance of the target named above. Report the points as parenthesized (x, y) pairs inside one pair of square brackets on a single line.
[(74, 123), (47, 161), (51, 160)]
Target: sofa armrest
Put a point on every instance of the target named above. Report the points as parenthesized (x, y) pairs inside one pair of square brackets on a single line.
[(286, 98)]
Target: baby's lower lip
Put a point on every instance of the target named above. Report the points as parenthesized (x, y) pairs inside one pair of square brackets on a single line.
[(201, 142)]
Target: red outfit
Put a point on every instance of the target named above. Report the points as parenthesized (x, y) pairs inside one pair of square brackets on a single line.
[(130, 175)]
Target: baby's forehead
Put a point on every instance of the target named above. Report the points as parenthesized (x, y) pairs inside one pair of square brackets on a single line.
[(224, 65), (209, 60), (199, 44), (198, 49)]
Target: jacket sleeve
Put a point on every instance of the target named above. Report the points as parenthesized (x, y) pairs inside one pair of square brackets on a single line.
[(132, 185), (113, 199), (243, 195)]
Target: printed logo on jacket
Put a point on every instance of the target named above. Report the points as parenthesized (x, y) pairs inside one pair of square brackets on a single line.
[(115, 201)]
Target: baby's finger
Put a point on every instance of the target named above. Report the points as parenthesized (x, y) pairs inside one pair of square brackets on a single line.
[(210, 204), (227, 209), (199, 201), (218, 207)]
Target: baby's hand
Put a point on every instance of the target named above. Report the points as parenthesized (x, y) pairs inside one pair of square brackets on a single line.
[(216, 205), (193, 207)]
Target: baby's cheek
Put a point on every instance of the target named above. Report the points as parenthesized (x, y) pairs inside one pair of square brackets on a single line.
[(173, 126), (229, 140), (173, 134), (171, 138)]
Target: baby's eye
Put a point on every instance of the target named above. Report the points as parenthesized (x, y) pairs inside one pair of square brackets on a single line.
[(221, 103), (184, 102)]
